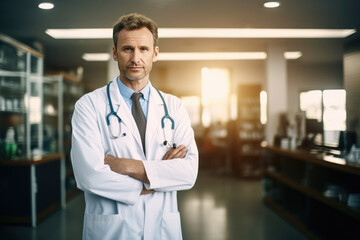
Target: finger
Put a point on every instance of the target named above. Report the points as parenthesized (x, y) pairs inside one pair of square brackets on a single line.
[(175, 153), (181, 153), (166, 156)]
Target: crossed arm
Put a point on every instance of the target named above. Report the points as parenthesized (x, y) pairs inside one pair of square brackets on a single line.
[(135, 168)]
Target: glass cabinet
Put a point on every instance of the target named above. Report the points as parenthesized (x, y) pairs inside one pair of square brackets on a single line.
[(61, 91), (21, 71), (31, 165)]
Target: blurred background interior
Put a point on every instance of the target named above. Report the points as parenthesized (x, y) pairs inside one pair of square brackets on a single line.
[(272, 93)]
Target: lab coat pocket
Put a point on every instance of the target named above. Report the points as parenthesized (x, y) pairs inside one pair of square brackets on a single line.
[(104, 227), (171, 226)]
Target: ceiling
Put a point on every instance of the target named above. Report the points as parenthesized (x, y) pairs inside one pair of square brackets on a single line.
[(24, 21)]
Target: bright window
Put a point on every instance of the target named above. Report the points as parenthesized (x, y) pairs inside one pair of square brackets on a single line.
[(215, 95), (328, 107)]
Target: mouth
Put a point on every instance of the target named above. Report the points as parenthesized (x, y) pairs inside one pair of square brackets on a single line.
[(134, 68)]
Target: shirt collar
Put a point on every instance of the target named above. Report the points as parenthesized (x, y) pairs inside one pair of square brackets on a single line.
[(126, 92)]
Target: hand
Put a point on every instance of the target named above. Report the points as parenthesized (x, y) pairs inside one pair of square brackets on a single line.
[(179, 152), (115, 164), (144, 191), (126, 166)]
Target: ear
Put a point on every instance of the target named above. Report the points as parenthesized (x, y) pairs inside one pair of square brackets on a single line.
[(114, 54), (156, 54)]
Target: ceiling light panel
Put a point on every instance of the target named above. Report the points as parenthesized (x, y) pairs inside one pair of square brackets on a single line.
[(80, 33), (192, 56), (106, 33), (200, 56), (98, 57), (253, 33)]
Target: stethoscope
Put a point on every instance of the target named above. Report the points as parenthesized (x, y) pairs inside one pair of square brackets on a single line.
[(112, 118)]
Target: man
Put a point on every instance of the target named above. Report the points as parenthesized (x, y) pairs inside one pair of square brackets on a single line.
[(128, 160)]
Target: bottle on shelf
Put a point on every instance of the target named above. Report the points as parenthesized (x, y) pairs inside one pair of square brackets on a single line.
[(10, 144)]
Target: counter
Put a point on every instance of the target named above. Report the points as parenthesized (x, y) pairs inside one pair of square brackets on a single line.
[(31, 188), (312, 191)]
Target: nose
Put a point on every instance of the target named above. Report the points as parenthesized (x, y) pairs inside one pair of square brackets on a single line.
[(136, 58)]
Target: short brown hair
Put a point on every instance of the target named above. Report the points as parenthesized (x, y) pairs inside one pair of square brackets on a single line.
[(135, 21)]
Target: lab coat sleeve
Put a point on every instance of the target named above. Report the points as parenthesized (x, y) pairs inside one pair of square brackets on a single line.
[(87, 156), (180, 173)]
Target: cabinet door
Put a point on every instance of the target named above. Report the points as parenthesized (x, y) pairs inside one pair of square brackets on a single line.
[(13, 133)]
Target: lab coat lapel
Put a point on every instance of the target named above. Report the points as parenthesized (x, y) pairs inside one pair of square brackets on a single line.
[(155, 113), (123, 111)]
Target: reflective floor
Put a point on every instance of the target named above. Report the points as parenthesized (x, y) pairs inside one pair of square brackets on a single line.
[(217, 208)]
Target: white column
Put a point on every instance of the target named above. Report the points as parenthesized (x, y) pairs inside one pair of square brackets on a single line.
[(276, 87)]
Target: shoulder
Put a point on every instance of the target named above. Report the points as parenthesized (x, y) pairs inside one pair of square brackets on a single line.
[(92, 98), (169, 97), (173, 103)]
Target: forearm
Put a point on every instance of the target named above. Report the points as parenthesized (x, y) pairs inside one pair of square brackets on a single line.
[(126, 166)]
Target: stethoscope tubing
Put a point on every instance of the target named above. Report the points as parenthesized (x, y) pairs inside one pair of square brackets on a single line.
[(166, 116)]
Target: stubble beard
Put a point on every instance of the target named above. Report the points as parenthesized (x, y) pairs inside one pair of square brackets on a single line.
[(127, 77)]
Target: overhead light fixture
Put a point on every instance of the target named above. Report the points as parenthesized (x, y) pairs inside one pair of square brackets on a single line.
[(272, 4), (292, 55), (96, 57), (106, 33), (80, 33), (200, 56), (192, 56), (46, 5), (253, 33), (206, 56)]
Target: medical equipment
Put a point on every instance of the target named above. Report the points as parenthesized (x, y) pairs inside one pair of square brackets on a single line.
[(110, 123)]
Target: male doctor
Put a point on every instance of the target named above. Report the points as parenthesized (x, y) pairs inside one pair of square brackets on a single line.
[(130, 177)]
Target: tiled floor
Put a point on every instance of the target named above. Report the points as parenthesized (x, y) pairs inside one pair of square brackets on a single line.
[(217, 208)]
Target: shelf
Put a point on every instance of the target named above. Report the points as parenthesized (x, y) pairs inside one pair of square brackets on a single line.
[(13, 112), (290, 218), (296, 174), (313, 194), (36, 160)]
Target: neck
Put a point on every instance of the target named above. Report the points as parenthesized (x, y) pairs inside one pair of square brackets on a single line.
[(136, 85)]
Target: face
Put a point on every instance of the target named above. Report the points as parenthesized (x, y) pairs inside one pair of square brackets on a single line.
[(135, 54)]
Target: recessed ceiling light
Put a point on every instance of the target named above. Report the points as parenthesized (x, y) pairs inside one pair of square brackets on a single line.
[(46, 5), (106, 33), (272, 4)]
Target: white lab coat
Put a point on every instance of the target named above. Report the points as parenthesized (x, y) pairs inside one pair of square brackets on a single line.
[(114, 207)]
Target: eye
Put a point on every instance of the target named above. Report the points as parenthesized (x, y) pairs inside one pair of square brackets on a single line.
[(127, 49), (144, 49)]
